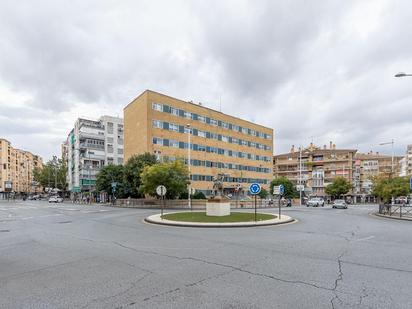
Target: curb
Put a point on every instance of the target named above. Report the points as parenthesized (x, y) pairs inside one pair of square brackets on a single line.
[(155, 219), (391, 217)]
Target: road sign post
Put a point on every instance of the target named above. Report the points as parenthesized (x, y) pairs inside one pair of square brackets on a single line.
[(254, 189), (161, 191), (279, 191)]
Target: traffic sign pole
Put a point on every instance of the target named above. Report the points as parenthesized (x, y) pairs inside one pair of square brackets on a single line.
[(255, 206), (255, 189)]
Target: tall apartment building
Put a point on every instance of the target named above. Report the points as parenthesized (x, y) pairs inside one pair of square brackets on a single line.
[(90, 145), (16, 169), (220, 143), (315, 167), (373, 164), (406, 163)]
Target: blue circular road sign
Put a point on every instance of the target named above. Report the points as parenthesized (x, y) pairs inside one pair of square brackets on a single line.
[(254, 188), (282, 189)]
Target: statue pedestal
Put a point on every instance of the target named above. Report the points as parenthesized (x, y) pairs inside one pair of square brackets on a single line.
[(217, 207)]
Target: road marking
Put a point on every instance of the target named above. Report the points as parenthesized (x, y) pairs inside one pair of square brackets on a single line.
[(365, 238)]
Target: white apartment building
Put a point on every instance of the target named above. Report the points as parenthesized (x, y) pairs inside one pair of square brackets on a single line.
[(406, 162), (91, 145)]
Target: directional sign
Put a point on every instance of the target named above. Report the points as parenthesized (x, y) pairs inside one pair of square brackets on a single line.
[(300, 187), (161, 190), (278, 190), (254, 188), (114, 184), (410, 183)]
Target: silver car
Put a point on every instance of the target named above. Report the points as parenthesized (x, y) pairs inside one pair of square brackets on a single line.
[(315, 202), (340, 204)]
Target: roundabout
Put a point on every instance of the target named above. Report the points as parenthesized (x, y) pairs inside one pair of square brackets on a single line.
[(235, 219)]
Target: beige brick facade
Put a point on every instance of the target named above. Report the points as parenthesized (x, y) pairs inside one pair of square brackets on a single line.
[(16, 168), (220, 143)]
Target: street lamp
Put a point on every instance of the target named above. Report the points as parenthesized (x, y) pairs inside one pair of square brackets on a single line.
[(402, 74), (390, 143), (188, 162)]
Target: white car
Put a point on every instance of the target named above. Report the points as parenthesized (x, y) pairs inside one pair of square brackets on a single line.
[(339, 204), (55, 199)]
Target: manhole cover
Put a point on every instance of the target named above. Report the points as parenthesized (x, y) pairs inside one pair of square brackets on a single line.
[(4, 231)]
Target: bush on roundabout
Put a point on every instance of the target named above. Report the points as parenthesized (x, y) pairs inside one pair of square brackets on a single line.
[(233, 217)]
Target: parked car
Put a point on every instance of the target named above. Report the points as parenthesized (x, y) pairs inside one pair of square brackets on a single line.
[(55, 199), (401, 200), (315, 202), (339, 204)]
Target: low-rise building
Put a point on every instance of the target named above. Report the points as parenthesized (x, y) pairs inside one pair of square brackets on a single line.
[(16, 170), (219, 143), (92, 144)]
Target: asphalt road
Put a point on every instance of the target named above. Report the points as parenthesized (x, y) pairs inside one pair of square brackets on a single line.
[(68, 256)]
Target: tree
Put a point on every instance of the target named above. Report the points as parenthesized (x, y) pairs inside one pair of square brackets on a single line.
[(173, 175), (338, 187), (263, 193), (290, 190), (133, 170), (199, 196), (52, 174), (386, 188), (108, 174)]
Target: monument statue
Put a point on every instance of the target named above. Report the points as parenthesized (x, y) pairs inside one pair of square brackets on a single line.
[(218, 185)]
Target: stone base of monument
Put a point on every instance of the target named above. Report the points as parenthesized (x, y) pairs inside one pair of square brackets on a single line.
[(217, 207)]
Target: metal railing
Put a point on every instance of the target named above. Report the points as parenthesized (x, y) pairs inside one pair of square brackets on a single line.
[(396, 210)]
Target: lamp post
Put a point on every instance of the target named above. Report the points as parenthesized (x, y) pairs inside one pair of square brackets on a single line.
[(188, 163), (390, 143), (300, 176)]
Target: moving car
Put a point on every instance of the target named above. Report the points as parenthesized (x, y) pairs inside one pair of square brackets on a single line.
[(315, 202), (55, 199), (339, 204)]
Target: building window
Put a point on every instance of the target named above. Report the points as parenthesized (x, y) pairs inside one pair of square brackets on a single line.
[(120, 151), (235, 140), (214, 136), (201, 133), (173, 143), (213, 122), (225, 138), (244, 131), (157, 107), (110, 139), (110, 127), (157, 141), (201, 118), (225, 125), (173, 127), (157, 124), (174, 111), (188, 115)]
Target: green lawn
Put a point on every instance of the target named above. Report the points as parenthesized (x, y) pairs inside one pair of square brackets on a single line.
[(201, 217)]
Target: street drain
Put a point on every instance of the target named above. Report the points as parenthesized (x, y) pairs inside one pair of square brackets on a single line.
[(4, 231), (63, 222)]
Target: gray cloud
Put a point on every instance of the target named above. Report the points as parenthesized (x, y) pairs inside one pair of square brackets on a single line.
[(309, 69)]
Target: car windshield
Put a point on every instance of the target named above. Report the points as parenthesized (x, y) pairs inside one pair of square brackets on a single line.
[(339, 201)]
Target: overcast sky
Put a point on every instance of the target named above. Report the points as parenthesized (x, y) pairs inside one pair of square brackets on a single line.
[(311, 70)]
